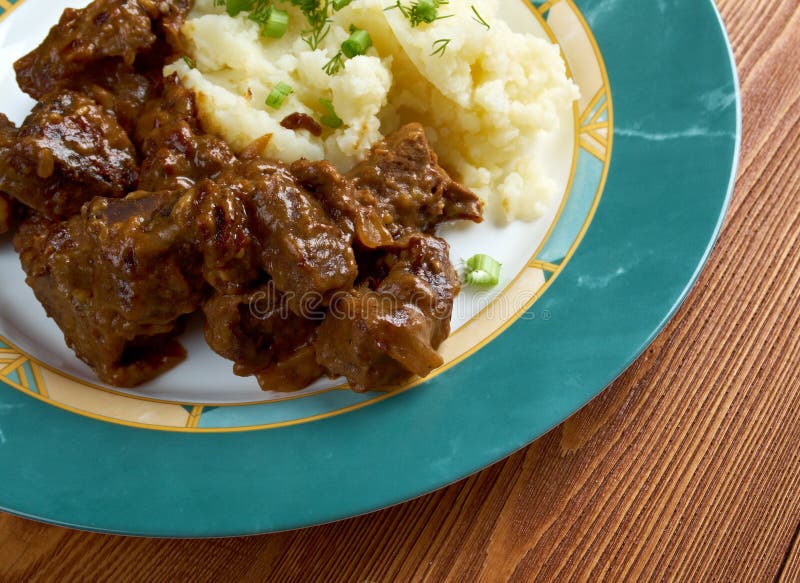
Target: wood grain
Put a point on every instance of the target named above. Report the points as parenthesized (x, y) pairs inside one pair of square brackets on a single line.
[(686, 469)]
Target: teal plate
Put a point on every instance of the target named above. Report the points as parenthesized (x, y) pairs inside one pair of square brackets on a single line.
[(612, 274)]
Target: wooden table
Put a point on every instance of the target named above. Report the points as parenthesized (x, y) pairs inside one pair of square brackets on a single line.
[(687, 468)]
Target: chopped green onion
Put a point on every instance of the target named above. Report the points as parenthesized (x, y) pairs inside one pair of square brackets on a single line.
[(234, 7), (317, 14), (482, 270), (278, 95), (276, 23), (357, 44), (425, 10), (420, 11), (330, 118), (189, 62)]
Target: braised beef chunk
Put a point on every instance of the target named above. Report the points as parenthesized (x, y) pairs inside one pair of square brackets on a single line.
[(262, 336), (8, 136), (461, 204), (307, 256), (118, 87), (68, 150), (413, 191), (172, 15), (217, 221), (399, 189), (356, 211), (292, 372), (117, 278), (378, 338), (105, 28), (8, 133), (112, 50), (6, 213), (242, 327), (191, 158), (174, 107), (255, 218), (177, 152)]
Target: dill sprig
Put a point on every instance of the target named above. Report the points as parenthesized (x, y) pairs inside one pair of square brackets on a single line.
[(318, 16), (335, 64), (440, 46), (479, 19)]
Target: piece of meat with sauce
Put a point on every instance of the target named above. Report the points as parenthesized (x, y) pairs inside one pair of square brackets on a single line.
[(254, 220), (400, 188), (380, 336), (174, 106), (8, 133), (177, 151), (6, 213), (117, 279), (255, 217), (170, 16), (104, 29), (216, 220), (112, 50), (191, 159), (8, 136), (118, 87), (356, 211), (67, 151), (402, 172), (258, 332), (307, 255)]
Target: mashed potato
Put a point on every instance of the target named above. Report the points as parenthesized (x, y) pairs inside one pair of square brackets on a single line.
[(483, 101)]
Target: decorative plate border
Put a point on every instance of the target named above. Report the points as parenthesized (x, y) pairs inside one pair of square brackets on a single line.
[(593, 123), (6, 6)]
